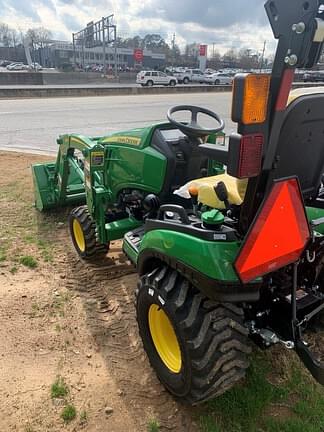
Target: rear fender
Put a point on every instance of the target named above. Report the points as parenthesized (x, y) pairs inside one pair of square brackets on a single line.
[(207, 265)]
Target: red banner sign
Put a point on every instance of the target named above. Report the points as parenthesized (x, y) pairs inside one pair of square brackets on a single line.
[(203, 50), (138, 55)]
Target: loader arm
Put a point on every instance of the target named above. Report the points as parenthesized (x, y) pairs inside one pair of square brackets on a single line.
[(71, 180)]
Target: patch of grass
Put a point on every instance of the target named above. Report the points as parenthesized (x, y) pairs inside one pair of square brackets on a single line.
[(45, 247), (13, 270), (28, 261), (27, 231), (59, 389), (3, 255), (68, 413), (59, 303), (294, 404), (35, 309), (289, 425), (153, 426), (29, 239), (207, 423), (83, 417), (239, 408)]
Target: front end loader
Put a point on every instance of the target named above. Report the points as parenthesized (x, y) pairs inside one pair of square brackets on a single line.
[(228, 241)]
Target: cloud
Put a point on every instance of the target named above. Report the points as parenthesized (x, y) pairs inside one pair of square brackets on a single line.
[(71, 22), (227, 23), (210, 13), (20, 8)]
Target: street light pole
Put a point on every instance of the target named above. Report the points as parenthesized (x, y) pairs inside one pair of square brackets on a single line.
[(115, 54), (104, 45), (262, 57)]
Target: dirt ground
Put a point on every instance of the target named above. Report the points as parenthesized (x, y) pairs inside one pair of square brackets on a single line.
[(65, 319)]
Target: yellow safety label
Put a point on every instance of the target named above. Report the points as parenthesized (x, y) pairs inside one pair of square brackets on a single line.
[(97, 158), (123, 140)]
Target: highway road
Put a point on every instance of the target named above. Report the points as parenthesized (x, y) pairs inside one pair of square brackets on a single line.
[(32, 125)]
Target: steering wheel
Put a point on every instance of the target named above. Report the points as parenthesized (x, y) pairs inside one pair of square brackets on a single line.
[(193, 128)]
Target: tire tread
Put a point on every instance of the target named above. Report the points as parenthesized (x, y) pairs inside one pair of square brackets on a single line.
[(215, 336)]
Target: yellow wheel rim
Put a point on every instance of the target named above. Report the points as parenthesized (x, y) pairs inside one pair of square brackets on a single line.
[(78, 235), (164, 339)]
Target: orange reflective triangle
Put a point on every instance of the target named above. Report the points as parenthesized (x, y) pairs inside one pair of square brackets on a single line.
[(278, 235)]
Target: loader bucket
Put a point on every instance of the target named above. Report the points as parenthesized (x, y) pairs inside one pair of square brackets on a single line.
[(43, 177)]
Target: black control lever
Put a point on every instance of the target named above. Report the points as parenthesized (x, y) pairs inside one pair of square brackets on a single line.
[(222, 194)]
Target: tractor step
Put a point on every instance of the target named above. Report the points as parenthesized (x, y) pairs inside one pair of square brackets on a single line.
[(132, 242)]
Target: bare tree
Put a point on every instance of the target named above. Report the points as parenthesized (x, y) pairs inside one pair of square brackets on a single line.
[(216, 60), (247, 60), (230, 58), (5, 35), (38, 37)]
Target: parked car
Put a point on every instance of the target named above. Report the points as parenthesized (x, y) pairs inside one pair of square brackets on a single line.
[(197, 76), (11, 65), (17, 66), (210, 71), (313, 76), (36, 66), (219, 78), (5, 63), (151, 78), (189, 75)]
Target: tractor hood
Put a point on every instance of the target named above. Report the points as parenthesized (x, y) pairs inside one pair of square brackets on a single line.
[(140, 137)]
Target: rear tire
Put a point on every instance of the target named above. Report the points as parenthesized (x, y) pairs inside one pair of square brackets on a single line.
[(84, 236), (150, 83), (185, 80), (212, 341), (217, 82)]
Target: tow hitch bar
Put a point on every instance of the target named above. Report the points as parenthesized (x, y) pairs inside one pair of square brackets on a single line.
[(315, 367)]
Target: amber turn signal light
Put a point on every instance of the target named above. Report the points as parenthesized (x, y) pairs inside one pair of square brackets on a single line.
[(250, 98)]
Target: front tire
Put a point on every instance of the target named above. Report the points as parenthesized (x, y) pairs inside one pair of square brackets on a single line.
[(197, 347), (217, 82), (172, 83), (185, 80), (83, 234)]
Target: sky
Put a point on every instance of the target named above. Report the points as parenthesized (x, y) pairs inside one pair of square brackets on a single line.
[(224, 23)]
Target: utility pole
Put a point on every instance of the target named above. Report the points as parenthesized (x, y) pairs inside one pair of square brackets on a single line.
[(115, 54), (74, 55), (262, 57), (104, 46), (173, 49)]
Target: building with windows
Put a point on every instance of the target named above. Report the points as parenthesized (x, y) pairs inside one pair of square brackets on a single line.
[(59, 54)]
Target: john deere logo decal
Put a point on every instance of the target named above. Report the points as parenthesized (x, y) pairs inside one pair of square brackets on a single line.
[(123, 140)]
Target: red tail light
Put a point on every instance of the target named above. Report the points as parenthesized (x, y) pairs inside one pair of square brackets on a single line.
[(278, 235), (245, 155), (250, 156)]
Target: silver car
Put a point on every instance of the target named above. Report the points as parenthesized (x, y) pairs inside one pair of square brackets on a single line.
[(219, 79)]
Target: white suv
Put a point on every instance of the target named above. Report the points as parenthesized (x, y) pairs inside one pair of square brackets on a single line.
[(151, 78)]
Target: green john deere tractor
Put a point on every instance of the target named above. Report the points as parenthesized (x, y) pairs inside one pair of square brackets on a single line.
[(228, 241)]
